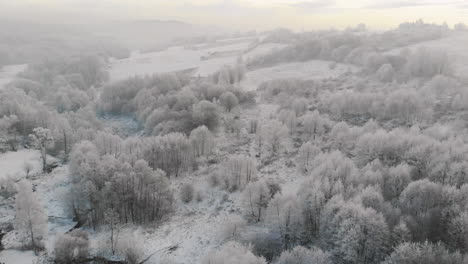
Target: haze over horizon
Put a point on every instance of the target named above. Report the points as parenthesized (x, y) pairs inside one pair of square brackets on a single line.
[(241, 14)]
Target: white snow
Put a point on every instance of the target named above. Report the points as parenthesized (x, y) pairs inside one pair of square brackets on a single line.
[(177, 59), (51, 189), (12, 256)]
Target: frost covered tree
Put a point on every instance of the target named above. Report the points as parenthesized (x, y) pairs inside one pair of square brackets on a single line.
[(255, 197), (459, 232), (232, 253), (31, 218), (427, 62), (111, 218), (311, 200), (63, 134), (288, 118), (238, 171), (423, 253), (284, 217), (307, 153), (299, 106), (334, 172), (71, 247), (386, 73), (206, 113), (302, 255), (202, 141), (42, 139), (427, 205), (356, 234), (9, 133), (314, 125), (228, 100), (274, 134), (171, 153)]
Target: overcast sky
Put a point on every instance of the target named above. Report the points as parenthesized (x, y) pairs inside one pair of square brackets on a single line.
[(243, 14)]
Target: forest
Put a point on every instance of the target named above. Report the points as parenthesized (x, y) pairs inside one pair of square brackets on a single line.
[(363, 161)]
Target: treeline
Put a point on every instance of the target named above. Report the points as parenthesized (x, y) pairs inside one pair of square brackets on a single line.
[(364, 50), (358, 100)]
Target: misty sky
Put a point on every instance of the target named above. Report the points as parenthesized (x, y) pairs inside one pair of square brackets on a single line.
[(243, 14)]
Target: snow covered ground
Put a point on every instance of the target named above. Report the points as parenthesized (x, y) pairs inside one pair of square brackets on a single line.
[(177, 59), (51, 189), (8, 72), (12, 256)]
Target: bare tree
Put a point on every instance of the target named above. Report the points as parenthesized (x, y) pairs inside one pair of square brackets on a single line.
[(31, 218)]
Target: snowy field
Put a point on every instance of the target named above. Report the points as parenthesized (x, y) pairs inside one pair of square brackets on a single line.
[(176, 59), (12, 256)]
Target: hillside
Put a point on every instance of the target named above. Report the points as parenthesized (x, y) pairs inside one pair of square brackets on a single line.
[(330, 146)]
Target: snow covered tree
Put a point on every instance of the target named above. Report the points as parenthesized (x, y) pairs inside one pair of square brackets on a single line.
[(284, 217), (238, 171), (395, 181), (299, 106), (228, 100), (9, 133), (63, 134), (312, 200), (232, 253), (42, 139), (307, 153), (314, 125), (386, 73), (111, 217), (423, 253), (71, 247), (202, 141), (108, 144), (423, 202), (187, 193), (459, 232), (31, 218), (255, 197), (302, 255), (206, 113), (429, 62), (288, 118), (356, 234), (334, 172), (274, 134)]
